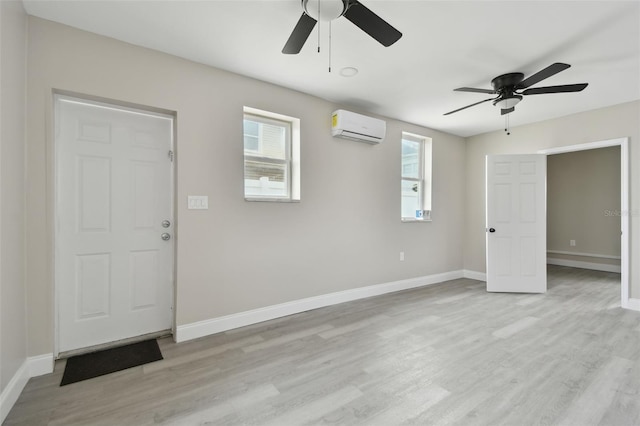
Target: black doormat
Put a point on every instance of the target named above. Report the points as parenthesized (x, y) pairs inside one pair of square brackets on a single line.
[(88, 366)]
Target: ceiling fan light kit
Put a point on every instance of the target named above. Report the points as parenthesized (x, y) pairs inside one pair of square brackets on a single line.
[(323, 10), (508, 102)]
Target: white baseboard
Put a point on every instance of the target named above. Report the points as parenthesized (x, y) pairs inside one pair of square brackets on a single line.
[(31, 367), (40, 365), (584, 265), (633, 304), (575, 253), (474, 275), (241, 319), (11, 393)]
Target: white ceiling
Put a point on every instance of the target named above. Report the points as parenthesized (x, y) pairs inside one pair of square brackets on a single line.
[(445, 45)]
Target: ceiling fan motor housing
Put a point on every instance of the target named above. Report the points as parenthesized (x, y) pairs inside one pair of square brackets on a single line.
[(505, 85), (507, 82)]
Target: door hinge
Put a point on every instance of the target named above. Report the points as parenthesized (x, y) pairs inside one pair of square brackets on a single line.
[(171, 156)]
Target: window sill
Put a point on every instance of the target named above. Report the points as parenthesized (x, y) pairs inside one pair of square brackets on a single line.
[(271, 200), (410, 220)]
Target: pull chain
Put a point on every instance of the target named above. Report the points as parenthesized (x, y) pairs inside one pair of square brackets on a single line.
[(506, 124), (319, 25), (329, 46)]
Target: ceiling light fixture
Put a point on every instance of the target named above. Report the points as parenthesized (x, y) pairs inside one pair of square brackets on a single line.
[(326, 10), (508, 101)]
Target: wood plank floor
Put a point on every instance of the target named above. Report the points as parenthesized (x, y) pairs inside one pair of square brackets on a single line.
[(444, 354)]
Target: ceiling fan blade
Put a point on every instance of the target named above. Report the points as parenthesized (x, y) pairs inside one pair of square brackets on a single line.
[(469, 106), (371, 23), (299, 35), (507, 111), (474, 90), (556, 89), (552, 69)]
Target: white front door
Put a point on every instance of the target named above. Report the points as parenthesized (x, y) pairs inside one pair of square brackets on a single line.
[(516, 223), (113, 188)]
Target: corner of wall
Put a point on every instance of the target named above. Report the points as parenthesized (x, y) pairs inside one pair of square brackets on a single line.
[(13, 73), (31, 367)]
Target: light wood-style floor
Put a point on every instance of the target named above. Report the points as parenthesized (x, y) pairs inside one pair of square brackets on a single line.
[(444, 354)]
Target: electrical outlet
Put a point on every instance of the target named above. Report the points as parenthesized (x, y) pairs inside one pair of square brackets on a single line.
[(401, 256), (572, 243)]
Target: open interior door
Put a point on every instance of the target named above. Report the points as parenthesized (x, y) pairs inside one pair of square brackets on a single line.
[(516, 223)]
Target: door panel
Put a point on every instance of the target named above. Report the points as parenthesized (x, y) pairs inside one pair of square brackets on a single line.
[(143, 278), (516, 223), (114, 273), (94, 189), (93, 273)]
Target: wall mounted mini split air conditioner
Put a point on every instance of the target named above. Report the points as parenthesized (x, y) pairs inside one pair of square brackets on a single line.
[(357, 127)]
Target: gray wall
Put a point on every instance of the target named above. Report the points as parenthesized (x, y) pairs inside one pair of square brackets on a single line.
[(583, 197), (607, 123), (13, 341), (345, 233)]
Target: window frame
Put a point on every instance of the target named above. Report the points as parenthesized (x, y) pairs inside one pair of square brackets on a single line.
[(424, 179), (245, 135), (291, 154)]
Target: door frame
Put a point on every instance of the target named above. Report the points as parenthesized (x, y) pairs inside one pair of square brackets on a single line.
[(53, 187), (623, 143)]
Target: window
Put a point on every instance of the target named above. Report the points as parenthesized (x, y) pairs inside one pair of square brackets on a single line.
[(271, 156), (415, 203)]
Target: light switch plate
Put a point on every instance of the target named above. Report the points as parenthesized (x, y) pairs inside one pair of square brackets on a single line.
[(197, 202)]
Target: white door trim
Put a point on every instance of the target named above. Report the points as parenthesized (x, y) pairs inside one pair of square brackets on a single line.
[(51, 160), (623, 143)]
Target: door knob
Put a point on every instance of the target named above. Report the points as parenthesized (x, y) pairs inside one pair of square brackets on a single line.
[(165, 236), (492, 230)]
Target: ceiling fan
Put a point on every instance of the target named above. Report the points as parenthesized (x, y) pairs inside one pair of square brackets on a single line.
[(328, 10), (509, 88)]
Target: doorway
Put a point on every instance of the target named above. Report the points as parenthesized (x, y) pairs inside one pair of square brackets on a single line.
[(623, 211), (114, 223)]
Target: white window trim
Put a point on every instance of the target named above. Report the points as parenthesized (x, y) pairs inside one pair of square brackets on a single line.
[(293, 175), (425, 176)]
